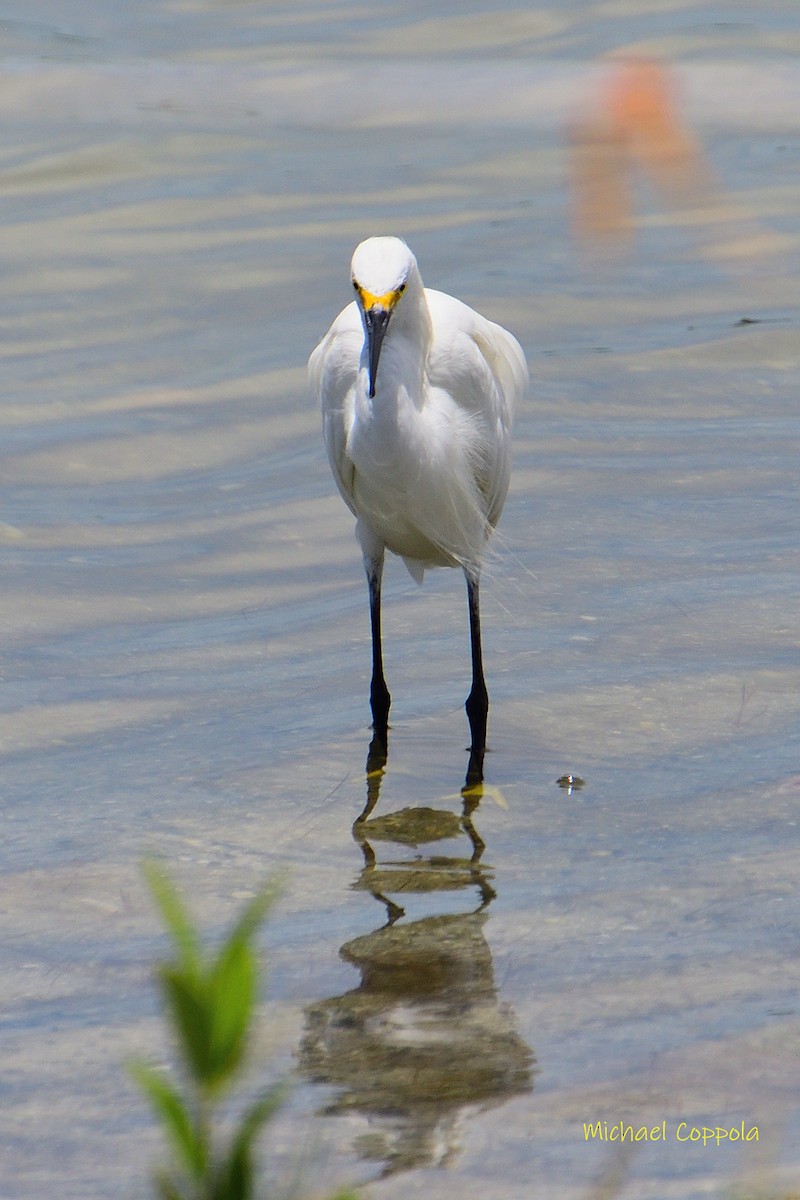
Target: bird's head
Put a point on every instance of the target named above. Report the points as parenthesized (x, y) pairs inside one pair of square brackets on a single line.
[(382, 270)]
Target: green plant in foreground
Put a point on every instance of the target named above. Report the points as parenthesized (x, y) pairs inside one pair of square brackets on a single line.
[(209, 1001)]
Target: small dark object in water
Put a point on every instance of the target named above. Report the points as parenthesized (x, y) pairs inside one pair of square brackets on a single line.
[(570, 782)]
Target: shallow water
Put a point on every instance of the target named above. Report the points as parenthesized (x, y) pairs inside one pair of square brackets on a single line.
[(185, 662)]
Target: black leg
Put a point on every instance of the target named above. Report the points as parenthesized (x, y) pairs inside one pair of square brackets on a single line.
[(379, 697), (477, 705)]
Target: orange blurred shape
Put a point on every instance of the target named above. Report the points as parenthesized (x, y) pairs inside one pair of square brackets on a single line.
[(635, 126), (641, 103)]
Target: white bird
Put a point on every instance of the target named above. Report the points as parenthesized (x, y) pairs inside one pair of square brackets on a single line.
[(417, 393)]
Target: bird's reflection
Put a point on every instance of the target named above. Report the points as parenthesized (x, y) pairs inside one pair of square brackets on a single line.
[(414, 827), (424, 1037)]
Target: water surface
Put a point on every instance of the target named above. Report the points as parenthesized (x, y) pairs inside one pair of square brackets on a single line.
[(185, 638)]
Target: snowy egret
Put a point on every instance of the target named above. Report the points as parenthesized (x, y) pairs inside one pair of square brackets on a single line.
[(417, 393)]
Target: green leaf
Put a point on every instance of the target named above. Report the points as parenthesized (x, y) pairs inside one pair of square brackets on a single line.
[(169, 1106), (232, 985), (175, 916), (231, 997), (209, 1002), (188, 1005), (261, 1110), (235, 1178), (257, 1116)]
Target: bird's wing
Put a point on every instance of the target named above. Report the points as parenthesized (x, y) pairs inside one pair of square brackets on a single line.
[(332, 371), (483, 368)]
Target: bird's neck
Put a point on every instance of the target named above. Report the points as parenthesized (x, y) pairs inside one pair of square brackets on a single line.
[(402, 378)]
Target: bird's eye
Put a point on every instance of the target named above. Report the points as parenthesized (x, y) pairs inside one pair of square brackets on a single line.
[(401, 289), (355, 284)]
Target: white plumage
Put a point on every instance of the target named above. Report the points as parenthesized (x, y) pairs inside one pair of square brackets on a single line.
[(417, 393)]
